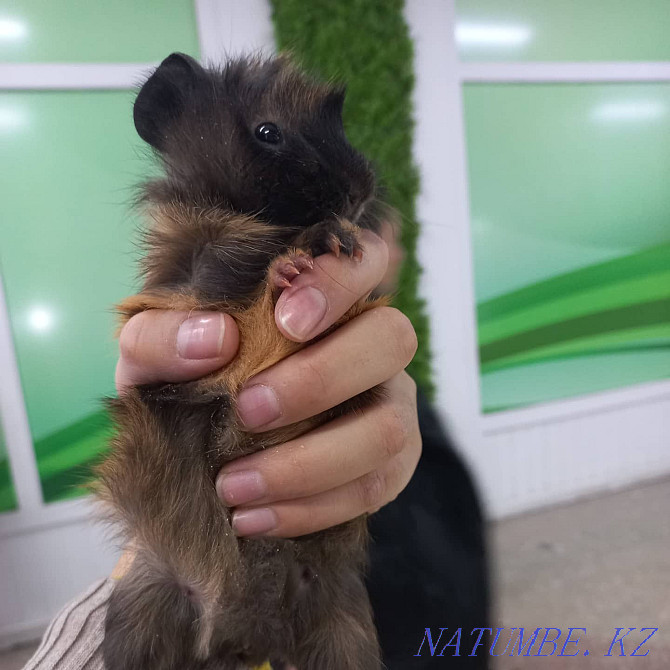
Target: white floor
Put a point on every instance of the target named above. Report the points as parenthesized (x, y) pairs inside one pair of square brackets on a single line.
[(598, 564)]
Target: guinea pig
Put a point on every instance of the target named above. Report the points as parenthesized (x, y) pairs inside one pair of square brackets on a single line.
[(258, 179)]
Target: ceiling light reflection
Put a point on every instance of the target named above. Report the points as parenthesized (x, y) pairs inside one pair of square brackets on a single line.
[(40, 319), (11, 118), (492, 34), (11, 29), (630, 110)]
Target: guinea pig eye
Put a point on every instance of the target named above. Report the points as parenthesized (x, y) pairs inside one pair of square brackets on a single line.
[(268, 132)]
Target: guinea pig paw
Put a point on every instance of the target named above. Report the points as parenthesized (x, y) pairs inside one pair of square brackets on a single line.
[(347, 243), (333, 236), (287, 267), (334, 244), (339, 242)]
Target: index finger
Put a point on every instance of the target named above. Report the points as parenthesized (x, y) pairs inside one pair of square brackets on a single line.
[(318, 298)]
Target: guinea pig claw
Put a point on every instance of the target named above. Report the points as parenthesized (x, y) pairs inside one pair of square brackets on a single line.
[(290, 270), (303, 262), (288, 267), (334, 244)]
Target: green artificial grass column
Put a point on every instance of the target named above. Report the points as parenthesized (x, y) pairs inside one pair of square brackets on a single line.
[(366, 43)]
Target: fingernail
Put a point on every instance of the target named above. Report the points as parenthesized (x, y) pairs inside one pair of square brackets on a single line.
[(238, 488), (303, 311), (257, 406), (254, 521), (201, 337)]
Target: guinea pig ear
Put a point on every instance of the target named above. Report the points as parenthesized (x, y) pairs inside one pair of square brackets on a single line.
[(164, 95)]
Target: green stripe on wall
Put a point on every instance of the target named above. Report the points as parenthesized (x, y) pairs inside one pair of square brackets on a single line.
[(7, 496), (647, 338), (620, 305), (617, 294), (646, 314), (649, 261), (65, 457)]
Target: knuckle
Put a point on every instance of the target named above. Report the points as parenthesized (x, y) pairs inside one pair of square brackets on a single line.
[(313, 376), (393, 428), (411, 384), (402, 332), (372, 488), (131, 337), (303, 519)]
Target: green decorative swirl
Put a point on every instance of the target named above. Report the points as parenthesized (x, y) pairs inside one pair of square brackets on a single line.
[(619, 305)]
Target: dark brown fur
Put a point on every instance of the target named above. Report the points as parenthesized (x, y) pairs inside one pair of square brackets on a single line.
[(196, 597)]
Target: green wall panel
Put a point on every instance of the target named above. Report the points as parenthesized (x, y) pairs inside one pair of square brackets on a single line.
[(570, 216), (569, 30), (67, 254), (85, 30)]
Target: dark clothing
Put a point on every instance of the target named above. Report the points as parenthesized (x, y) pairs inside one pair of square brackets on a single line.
[(428, 560)]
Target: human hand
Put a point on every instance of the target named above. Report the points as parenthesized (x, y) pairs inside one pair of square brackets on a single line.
[(352, 465)]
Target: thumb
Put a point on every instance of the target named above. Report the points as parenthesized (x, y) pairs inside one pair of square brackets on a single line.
[(166, 346)]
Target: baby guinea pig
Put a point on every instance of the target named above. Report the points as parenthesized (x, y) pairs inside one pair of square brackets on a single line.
[(258, 179)]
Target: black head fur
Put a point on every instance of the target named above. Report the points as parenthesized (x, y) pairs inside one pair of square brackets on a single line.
[(203, 123)]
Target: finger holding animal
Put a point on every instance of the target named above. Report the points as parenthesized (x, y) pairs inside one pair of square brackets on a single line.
[(315, 300), (356, 357), (350, 466), (173, 346), (366, 494)]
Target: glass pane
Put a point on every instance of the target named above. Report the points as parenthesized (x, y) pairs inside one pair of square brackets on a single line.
[(571, 236), (570, 30), (82, 30), (7, 497), (67, 256)]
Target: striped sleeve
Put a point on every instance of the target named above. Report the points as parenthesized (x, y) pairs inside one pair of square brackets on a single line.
[(73, 641)]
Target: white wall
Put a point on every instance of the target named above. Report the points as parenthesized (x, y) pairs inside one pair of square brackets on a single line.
[(42, 568)]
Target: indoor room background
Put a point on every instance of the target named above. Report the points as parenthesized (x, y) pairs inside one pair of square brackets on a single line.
[(535, 192)]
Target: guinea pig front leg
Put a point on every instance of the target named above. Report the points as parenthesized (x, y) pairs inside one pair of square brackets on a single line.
[(336, 235)]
